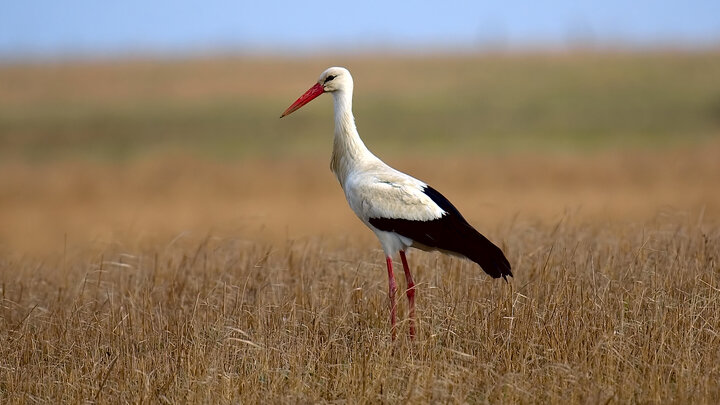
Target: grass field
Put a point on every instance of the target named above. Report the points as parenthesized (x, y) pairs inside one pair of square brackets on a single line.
[(164, 238), (485, 104)]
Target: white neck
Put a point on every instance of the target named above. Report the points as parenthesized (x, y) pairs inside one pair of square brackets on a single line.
[(349, 151)]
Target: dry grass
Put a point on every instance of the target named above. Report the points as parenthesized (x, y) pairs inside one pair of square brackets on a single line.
[(45, 208), (132, 274), (110, 291), (595, 314)]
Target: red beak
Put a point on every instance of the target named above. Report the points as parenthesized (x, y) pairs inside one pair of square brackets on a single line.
[(309, 95)]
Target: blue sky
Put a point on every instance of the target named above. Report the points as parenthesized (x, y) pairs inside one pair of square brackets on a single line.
[(50, 28)]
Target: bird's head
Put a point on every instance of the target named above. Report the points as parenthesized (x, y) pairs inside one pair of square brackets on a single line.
[(334, 79)]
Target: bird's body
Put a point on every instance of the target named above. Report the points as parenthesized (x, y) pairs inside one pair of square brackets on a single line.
[(401, 210)]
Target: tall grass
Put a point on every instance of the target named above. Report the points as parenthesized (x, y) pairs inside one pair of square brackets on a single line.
[(593, 315)]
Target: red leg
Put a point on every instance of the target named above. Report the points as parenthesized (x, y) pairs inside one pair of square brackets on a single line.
[(391, 295), (410, 293)]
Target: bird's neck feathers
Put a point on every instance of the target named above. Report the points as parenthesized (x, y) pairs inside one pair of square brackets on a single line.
[(349, 151)]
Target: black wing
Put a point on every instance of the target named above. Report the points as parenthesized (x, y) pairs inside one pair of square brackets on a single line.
[(452, 233)]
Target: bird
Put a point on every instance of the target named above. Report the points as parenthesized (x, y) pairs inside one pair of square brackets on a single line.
[(402, 211)]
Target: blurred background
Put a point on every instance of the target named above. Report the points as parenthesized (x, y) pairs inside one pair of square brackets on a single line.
[(143, 122)]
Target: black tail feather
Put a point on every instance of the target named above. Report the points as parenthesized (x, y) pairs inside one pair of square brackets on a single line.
[(451, 233), (490, 257)]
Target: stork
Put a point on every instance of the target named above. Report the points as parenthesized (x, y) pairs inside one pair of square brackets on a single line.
[(401, 210)]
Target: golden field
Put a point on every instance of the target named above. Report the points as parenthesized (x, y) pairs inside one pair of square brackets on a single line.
[(165, 238)]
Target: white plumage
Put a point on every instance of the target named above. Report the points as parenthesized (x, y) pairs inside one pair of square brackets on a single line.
[(402, 211)]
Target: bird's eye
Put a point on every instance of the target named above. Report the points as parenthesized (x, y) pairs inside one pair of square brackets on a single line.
[(327, 79)]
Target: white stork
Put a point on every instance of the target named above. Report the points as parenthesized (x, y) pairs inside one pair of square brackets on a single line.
[(403, 211)]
